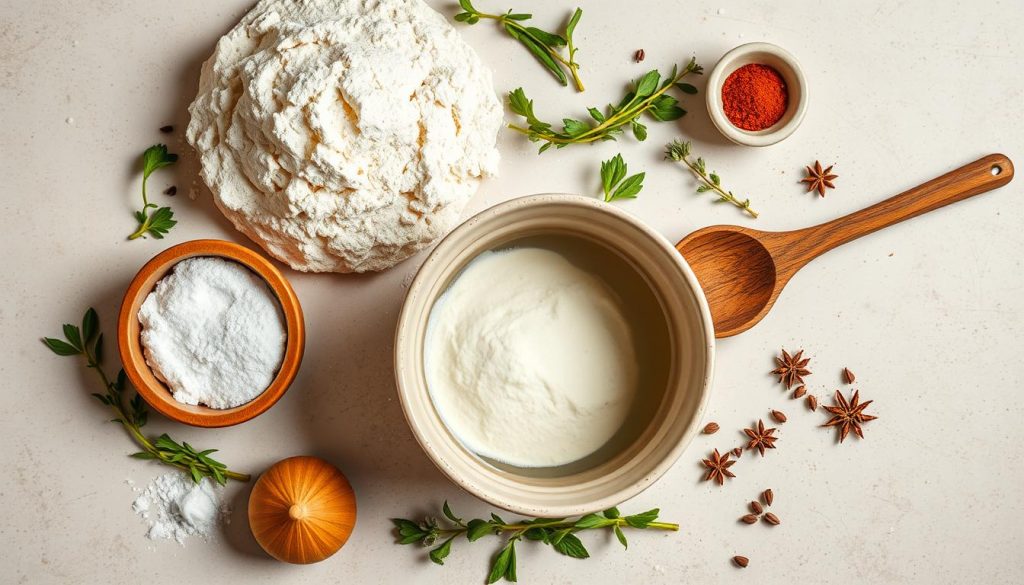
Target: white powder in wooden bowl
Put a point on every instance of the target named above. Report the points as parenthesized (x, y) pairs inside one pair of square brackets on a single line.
[(213, 332)]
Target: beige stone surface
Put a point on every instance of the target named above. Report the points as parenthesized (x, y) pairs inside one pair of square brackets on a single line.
[(928, 314)]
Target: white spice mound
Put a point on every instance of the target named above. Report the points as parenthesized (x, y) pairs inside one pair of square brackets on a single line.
[(344, 135), (213, 332), (176, 507), (530, 360)]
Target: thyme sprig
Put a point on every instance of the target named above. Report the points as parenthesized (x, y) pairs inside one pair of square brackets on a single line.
[(87, 341), (558, 533), (680, 152), (545, 46), (160, 221), (647, 95)]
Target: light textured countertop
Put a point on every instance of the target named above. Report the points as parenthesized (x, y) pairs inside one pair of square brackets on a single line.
[(928, 314)]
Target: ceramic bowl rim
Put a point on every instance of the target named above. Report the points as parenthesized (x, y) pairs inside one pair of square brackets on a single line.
[(429, 272), (154, 392)]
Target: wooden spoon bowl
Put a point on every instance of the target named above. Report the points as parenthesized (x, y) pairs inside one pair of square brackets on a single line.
[(742, 271)]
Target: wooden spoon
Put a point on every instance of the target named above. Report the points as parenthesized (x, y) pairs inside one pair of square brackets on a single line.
[(742, 271)]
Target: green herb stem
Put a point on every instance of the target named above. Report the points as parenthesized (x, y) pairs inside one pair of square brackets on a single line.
[(558, 533), (572, 66), (648, 95), (87, 342), (680, 152), (543, 45), (158, 223)]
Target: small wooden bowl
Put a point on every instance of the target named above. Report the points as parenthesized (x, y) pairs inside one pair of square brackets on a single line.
[(153, 390)]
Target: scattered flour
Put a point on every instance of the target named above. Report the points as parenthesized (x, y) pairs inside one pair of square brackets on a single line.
[(214, 332), (344, 135), (176, 507)]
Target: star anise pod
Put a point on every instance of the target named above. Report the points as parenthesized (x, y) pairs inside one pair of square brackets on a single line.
[(848, 415), (761, 438), (718, 467), (791, 368), (818, 178)]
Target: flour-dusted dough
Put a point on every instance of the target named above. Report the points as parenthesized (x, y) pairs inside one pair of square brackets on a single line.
[(344, 135)]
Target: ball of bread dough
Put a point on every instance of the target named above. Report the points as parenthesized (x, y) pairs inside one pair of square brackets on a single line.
[(343, 135)]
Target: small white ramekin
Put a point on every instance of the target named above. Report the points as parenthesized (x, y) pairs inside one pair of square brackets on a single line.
[(796, 85), (679, 404)]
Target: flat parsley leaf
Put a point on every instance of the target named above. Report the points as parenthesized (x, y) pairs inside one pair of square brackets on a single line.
[(160, 221)]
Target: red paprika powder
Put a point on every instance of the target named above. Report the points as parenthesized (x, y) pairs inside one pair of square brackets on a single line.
[(754, 97)]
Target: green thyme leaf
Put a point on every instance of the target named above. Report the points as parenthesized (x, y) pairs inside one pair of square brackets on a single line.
[(448, 513), (90, 325), (438, 554), (612, 512), (499, 568), (622, 537), (477, 529), (643, 519), (60, 347), (570, 545), (72, 334), (592, 521)]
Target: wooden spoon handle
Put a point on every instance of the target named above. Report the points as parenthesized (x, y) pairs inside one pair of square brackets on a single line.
[(984, 174)]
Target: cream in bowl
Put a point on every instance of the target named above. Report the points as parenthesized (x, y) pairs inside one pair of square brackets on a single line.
[(553, 355)]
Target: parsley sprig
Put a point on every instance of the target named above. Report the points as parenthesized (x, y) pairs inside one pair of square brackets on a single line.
[(680, 152), (558, 533), (87, 341), (545, 46), (158, 222), (615, 183), (647, 95)]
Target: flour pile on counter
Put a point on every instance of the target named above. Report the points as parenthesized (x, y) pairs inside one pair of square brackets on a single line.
[(530, 360), (176, 507), (213, 332), (344, 135)]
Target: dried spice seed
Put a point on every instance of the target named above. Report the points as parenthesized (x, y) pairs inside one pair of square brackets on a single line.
[(756, 507), (737, 452), (848, 376), (848, 416), (791, 369), (639, 55), (749, 519), (799, 392), (172, 191), (711, 428), (778, 416), (167, 129), (812, 402), (718, 467), (761, 438), (741, 561), (772, 519), (818, 178), (768, 496)]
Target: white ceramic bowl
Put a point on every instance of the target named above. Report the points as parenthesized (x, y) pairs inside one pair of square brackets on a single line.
[(661, 431), (796, 85)]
